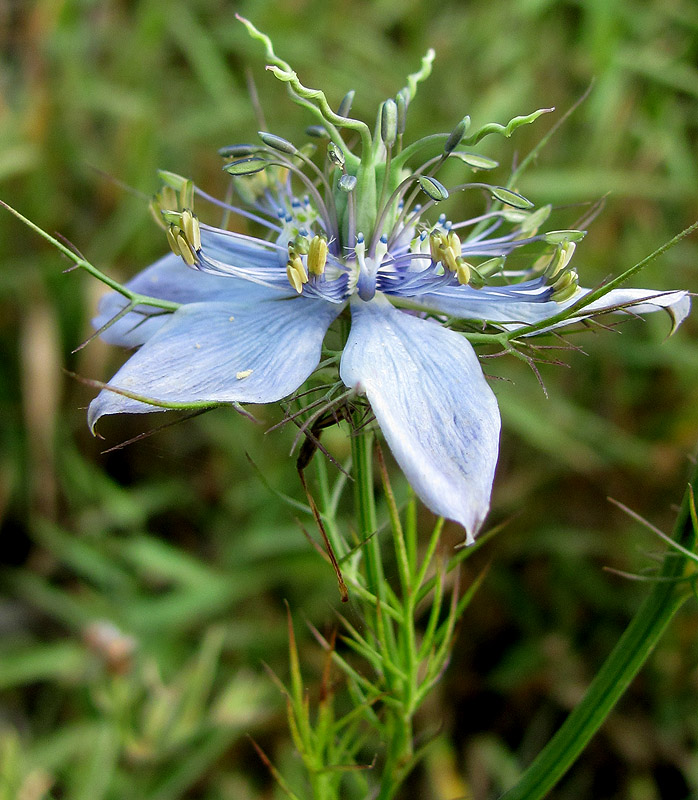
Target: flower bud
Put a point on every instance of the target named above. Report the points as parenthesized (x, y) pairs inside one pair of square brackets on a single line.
[(456, 135), (245, 166), (510, 198), (389, 122), (316, 131), (436, 190), (345, 105), (278, 143), (402, 100)]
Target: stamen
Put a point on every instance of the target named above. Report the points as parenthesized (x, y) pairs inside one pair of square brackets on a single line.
[(296, 274), (463, 273), (560, 260), (192, 231), (317, 255)]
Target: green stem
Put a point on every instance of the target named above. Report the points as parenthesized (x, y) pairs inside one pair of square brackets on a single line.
[(616, 674), (362, 469), (399, 759)]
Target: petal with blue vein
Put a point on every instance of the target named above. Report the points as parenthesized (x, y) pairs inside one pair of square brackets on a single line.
[(242, 256), (433, 404), (168, 279), (512, 305), (677, 304), (221, 352)]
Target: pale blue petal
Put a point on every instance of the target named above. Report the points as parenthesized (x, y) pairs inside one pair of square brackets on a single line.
[(222, 352), (167, 279), (241, 256), (433, 404), (513, 308), (642, 301)]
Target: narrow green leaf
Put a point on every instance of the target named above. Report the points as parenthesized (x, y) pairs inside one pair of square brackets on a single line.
[(622, 665)]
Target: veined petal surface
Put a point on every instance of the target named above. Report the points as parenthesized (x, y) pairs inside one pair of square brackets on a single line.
[(168, 279), (222, 352), (433, 404), (512, 307)]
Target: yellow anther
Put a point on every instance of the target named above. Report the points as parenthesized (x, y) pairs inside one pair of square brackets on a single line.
[(561, 259), (293, 278), (564, 281), (565, 286), (171, 232), (190, 227), (565, 294), (568, 249), (450, 258), (185, 250), (296, 274), (298, 266), (454, 242), (317, 255), (436, 243), (462, 271), (245, 373)]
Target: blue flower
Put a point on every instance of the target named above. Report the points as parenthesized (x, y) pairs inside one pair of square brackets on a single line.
[(352, 240)]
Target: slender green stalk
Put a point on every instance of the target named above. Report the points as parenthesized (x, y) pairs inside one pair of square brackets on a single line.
[(622, 665), (362, 470)]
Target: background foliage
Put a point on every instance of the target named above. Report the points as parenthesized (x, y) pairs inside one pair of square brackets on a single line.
[(176, 541)]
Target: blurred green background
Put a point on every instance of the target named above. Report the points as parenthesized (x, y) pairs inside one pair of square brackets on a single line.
[(143, 588)]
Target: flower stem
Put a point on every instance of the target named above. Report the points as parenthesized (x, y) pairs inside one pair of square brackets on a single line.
[(362, 470), (619, 669)]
